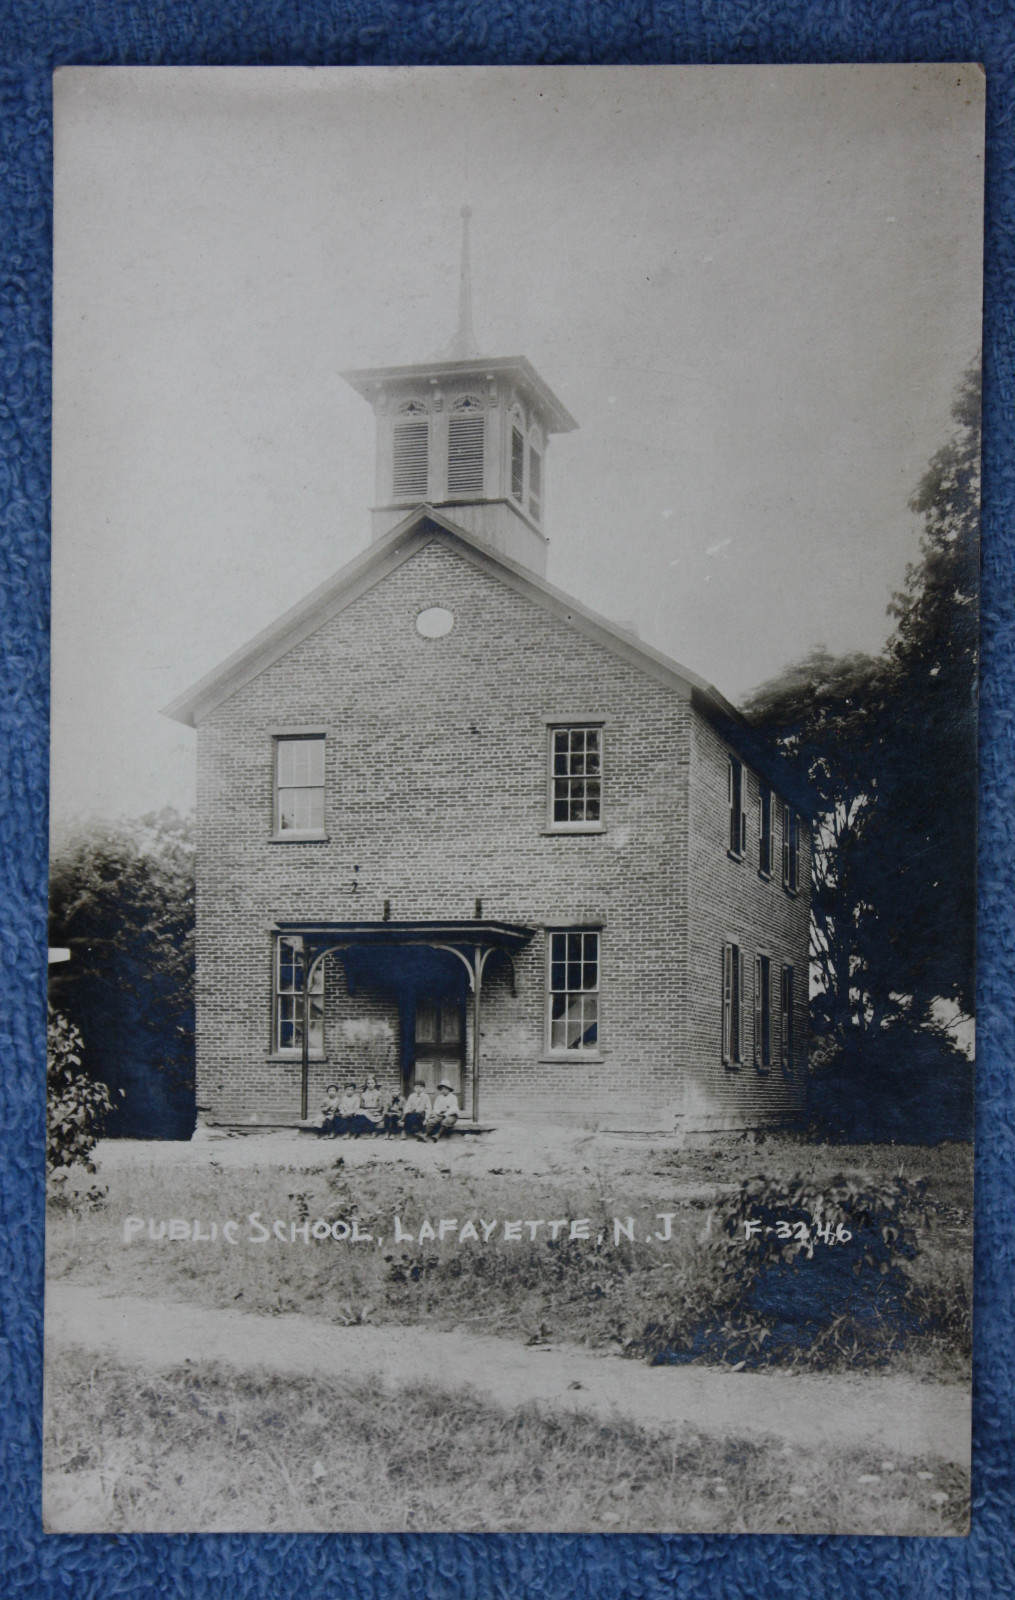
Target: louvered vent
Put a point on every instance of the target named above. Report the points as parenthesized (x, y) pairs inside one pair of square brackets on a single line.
[(412, 440), (465, 455)]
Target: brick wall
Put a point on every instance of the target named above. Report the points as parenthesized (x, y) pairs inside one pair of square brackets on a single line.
[(436, 795), (733, 902)]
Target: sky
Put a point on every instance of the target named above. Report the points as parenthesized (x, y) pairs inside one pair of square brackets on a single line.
[(755, 288)]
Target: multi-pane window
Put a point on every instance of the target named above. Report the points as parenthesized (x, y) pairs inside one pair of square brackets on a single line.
[(790, 849), (466, 435), (732, 1005), (765, 830), (535, 484), (289, 998), (738, 816), (762, 1012), (517, 465), (576, 776), (299, 784), (574, 990), (786, 1020), (410, 460)]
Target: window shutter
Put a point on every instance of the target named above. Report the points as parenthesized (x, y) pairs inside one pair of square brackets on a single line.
[(465, 454), (758, 979), (786, 1019), (410, 460), (727, 1001), (785, 846), (743, 813), (739, 955), (794, 860)]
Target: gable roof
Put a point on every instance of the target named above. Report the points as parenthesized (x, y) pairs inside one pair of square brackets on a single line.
[(421, 527)]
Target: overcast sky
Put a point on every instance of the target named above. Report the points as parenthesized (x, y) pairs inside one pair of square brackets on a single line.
[(755, 288)]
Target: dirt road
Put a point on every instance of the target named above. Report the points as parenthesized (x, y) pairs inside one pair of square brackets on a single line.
[(896, 1415)]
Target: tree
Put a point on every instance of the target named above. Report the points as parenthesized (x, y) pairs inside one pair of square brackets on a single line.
[(122, 901), (889, 746)]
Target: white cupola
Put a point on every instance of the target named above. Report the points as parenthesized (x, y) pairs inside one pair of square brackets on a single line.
[(467, 434)]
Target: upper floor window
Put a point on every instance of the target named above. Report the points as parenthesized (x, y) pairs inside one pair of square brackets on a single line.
[(765, 830), (738, 816), (573, 1021), (732, 1005), (299, 784), (790, 849), (288, 986), (466, 440), (411, 452), (576, 777)]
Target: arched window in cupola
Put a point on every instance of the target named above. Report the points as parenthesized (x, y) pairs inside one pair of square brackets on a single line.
[(410, 451), (517, 456), (466, 441), (535, 475)]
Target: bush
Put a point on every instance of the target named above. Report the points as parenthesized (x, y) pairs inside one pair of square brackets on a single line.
[(76, 1106), (810, 1268)]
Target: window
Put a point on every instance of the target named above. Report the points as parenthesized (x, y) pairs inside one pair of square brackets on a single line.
[(765, 830), (786, 1020), (535, 484), (762, 1013), (289, 999), (790, 849), (732, 1005), (738, 816), (410, 460), (466, 436), (576, 777), (574, 990), (517, 465), (299, 784)]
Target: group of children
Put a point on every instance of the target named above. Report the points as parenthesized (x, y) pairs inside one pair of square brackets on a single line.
[(350, 1115)]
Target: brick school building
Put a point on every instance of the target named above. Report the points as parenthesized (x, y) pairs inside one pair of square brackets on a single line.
[(453, 824)]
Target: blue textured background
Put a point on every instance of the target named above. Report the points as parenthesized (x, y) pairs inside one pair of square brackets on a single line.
[(35, 37)]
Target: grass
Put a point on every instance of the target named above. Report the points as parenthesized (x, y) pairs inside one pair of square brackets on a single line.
[(205, 1448), (654, 1301)]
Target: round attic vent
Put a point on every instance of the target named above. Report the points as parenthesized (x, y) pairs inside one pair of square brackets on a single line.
[(435, 622)]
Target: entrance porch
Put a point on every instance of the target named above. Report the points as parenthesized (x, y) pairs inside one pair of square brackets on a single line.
[(437, 971)]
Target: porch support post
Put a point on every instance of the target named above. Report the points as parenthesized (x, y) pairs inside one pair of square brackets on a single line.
[(477, 985), (305, 1073)]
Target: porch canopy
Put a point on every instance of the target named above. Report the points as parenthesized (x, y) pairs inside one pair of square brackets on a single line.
[(473, 942)]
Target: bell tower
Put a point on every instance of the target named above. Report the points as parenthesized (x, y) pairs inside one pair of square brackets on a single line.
[(467, 434)]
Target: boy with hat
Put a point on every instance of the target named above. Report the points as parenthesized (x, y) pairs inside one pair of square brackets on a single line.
[(445, 1112)]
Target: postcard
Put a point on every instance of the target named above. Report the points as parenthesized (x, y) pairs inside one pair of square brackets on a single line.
[(513, 831)]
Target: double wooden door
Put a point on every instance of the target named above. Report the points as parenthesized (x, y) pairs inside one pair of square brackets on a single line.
[(439, 1044)]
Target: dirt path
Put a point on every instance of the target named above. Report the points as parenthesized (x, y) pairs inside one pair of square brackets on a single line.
[(893, 1415)]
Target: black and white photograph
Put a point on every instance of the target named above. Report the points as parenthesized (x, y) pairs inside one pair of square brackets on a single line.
[(513, 799)]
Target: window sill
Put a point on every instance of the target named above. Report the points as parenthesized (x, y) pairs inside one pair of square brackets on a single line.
[(577, 830), (294, 1057), (790, 894), (733, 855), (766, 877), (292, 836), (586, 1057)]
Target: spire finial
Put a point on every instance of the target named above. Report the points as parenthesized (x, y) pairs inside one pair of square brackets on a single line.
[(464, 347)]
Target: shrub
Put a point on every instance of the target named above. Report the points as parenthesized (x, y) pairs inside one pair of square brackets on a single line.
[(821, 1267), (76, 1106)]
